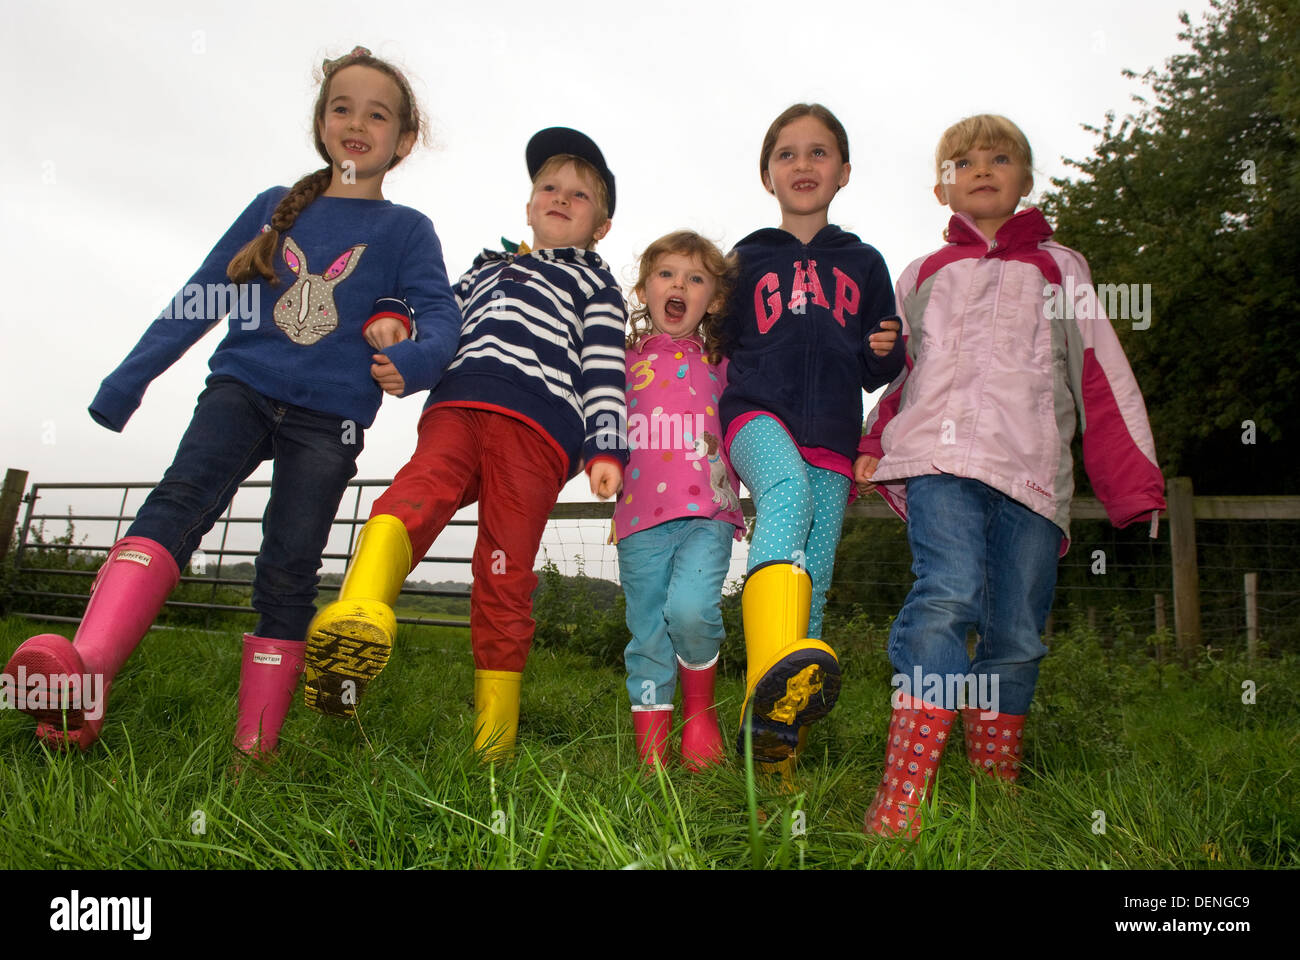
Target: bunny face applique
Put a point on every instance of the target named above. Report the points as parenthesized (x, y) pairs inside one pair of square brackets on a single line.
[(306, 312)]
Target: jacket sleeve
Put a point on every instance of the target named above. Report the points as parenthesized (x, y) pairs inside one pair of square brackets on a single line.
[(181, 325), (886, 408), (729, 325), (1119, 454), (878, 307), (604, 402), (422, 279), (465, 285)]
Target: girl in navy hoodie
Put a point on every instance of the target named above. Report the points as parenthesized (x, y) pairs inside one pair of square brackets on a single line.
[(811, 326)]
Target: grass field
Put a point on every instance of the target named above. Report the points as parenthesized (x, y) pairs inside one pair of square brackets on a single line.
[(1185, 774)]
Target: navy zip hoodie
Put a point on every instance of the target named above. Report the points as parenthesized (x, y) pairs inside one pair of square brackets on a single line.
[(797, 334)]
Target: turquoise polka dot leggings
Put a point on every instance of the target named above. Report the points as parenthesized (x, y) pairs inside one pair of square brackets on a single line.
[(800, 507)]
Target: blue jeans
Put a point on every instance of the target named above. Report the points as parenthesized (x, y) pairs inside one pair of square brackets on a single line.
[(799, 507), (233, 430), (672, 577), (981, 560)]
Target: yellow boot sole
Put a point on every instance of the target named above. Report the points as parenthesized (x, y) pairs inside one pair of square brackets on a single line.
[(348, 645), (797, 690)]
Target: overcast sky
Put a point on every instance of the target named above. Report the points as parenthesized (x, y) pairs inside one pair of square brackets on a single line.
[(138, 131)]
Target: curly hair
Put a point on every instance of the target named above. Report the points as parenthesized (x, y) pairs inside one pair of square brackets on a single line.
[(723, 269)]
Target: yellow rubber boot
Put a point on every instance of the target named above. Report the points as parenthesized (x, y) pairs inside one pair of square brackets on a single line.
[(350, 640), (791, 680), (780, 776), (496, 713)]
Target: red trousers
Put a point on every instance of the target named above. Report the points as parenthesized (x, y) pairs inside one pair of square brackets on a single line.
[(466, 455)]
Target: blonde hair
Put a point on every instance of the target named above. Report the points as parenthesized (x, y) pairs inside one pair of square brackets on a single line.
[(587, 172), (723, 269), (984, 131)]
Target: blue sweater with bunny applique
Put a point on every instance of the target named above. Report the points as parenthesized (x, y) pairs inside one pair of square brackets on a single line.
[(300, 341)]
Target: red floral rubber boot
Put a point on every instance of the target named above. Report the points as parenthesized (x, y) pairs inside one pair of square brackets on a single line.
[(917, 737), (268, 679), (995, 746), (652, 724), (127, 595), (702, 744)]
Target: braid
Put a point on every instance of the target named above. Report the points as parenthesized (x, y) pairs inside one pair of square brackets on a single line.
[(256, 258)]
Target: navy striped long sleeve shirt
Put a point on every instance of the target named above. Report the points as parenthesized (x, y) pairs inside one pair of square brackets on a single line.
[(542, 341)]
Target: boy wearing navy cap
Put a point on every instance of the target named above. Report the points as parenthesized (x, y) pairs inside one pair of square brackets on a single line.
[(534, 394)]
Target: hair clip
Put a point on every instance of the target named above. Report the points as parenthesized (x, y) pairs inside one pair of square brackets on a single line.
[(266, 228), (329, 66)]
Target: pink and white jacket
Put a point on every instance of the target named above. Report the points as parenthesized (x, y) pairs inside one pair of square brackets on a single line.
[(676, 466), (1007, 348)]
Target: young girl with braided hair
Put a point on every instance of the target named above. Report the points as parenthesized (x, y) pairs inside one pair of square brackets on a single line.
[(301, 372)]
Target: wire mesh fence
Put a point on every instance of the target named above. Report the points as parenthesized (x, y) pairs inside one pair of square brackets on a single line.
[(1115, 581)]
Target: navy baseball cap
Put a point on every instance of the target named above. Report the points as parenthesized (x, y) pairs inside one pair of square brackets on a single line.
[(557, 140)]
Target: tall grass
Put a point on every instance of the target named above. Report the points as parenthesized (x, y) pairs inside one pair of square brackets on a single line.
[(1185, 774)]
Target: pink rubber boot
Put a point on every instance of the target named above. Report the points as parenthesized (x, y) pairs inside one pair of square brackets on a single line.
[(651, 726), (994, 746), (702, 744), (128, 592), (268, 679), (917, 737)]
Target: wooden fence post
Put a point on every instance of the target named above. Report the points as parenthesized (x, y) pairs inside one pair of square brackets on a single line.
[(1252, 616), (10, 497), (1182, 545)]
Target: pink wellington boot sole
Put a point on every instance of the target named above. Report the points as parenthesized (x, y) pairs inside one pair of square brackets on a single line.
[(46, 656)]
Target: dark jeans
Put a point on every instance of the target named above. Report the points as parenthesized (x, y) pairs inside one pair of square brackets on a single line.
[(233, 430)]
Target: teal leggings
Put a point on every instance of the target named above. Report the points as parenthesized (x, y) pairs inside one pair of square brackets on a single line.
[(800, 507)]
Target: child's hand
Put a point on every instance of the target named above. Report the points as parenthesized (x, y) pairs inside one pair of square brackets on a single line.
[(385, 374), (883, 341), (385, 332), (606, 479), (864, 468)]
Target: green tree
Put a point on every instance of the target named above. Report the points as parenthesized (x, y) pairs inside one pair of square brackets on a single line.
[(1198, 194)]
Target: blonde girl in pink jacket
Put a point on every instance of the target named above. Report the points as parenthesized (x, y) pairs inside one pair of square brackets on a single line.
[(1007, 350)]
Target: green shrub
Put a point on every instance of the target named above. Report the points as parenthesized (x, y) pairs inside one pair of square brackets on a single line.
[(580, 614)]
